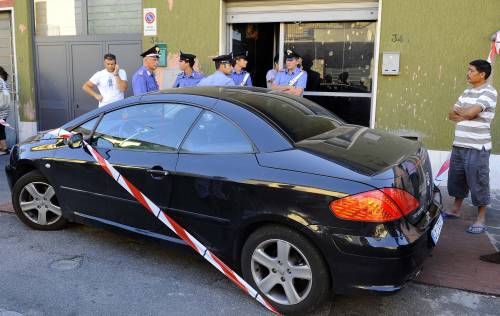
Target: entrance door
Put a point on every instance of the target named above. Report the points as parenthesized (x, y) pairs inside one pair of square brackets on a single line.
[(259, 40), (83, 55), (52, 85)]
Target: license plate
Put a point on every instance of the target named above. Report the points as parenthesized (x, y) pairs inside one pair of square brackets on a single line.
[(436, 230)]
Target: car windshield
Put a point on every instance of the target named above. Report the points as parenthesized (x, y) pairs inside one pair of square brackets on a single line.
[(299, 118)]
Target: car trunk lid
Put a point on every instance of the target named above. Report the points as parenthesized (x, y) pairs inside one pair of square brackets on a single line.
[(379, 155)]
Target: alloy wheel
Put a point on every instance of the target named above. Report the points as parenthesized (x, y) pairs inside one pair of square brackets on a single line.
[(281, 271), (39, 203)]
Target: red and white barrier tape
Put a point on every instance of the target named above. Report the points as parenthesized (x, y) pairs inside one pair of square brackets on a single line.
[(170, 223), (442, 171), (4, 123), (495, 47)]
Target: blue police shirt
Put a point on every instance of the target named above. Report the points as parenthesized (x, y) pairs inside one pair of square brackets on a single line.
[(144, 81), (184, 80), (238, 78), (283, 78), (218, 78)]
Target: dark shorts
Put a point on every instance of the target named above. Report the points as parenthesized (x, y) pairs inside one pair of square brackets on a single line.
[(470, 170)]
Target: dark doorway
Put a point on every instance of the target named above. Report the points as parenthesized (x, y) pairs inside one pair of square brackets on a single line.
[(259, 39)]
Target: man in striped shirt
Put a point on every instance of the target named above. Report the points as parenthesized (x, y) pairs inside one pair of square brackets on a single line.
[(469, 163)]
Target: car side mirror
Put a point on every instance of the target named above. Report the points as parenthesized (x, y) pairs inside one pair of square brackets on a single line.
[(75, 141)]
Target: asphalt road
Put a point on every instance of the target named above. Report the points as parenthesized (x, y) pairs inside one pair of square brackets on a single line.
[(89, 271), (4, 187)]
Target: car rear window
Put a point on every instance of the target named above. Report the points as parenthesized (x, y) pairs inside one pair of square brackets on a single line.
[(299, 118)]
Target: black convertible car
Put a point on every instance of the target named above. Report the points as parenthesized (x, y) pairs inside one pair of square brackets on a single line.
[(275, 185)]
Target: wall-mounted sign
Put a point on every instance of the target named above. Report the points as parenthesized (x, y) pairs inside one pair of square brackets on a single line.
[(163, 55), (149, 20)]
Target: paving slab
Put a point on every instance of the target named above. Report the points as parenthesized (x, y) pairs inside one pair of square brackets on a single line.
[(455, 260)]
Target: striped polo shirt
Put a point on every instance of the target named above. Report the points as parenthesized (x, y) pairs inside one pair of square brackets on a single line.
[(476, 133)]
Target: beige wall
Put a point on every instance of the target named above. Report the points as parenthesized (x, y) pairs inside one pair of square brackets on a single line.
[(436, 40), (188, 25)]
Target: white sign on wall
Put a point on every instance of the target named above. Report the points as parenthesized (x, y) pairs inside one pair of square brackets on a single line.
[(149, 20)]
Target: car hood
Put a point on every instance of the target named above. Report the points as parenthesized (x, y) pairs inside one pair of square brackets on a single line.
[(41, 135)]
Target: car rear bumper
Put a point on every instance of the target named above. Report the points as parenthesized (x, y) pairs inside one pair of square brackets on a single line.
[(381, 264)]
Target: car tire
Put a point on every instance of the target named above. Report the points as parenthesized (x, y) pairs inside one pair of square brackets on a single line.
[(263, 265), (36, 203)]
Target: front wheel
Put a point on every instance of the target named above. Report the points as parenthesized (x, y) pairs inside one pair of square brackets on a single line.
[(286, 268), (36, 203)]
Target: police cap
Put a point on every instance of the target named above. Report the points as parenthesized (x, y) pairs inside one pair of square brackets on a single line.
[(290, 54), (152, 52), (223, 59), (187, 57)]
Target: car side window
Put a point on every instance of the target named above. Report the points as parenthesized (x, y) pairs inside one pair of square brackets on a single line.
[(86, 128), (154, 127), (214, 134)]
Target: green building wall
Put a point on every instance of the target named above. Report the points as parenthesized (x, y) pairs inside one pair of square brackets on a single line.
[(23, 29), (436, 40), (192, 26)]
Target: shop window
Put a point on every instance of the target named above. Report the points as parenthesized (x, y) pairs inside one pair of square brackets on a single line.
[(114, 16), (58, 17), (337, 56), (351, 110)]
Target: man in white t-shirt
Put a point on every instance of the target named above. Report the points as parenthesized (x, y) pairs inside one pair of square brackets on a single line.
[(111, 82)]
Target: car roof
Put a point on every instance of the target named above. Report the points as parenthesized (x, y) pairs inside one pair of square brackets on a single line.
[(225, 93), (218, 92)]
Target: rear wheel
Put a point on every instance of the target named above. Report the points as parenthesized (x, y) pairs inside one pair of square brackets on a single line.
[(285, 268), (36, 204)]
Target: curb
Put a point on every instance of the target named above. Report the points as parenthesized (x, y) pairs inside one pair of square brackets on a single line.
[(7, 207)]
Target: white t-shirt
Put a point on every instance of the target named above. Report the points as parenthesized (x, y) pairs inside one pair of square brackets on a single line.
[(106, 83)]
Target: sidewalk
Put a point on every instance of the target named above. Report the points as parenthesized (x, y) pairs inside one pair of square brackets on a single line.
[(454, 262)]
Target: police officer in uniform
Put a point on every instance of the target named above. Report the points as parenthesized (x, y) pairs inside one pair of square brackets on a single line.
[(240, 76), (188, 77), (144, 78), (292, 79), (222, 75)]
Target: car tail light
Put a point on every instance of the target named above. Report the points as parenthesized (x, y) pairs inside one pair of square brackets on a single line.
[(382, 205)]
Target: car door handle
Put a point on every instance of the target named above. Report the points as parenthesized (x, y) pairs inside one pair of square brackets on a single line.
[(158, 173)]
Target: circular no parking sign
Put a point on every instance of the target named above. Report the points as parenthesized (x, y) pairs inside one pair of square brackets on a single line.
[(149, 17)]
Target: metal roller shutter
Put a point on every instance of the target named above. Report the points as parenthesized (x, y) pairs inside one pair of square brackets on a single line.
[(240, 11)]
